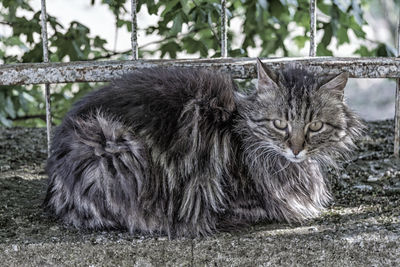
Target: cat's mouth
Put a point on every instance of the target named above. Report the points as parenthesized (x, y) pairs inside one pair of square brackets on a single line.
[(295, 159), (299, 157)]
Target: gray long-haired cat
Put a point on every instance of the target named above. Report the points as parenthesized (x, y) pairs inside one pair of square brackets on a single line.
[(181, 152)]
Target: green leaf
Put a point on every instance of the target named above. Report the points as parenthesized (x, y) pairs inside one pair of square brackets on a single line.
[(240, 52), (277, 9), (2, 97), (28, 97), (9, 107), (342, 36), (300, 41), (263, 4), (357, 12), (328, 32), (356, 28), (4, 121), (34, 55), (77, 49), (169, 6), (343, 4), (14, 41), (152, 7), (363, 51), (384, 50), (23, 103), (170, 48), (323, 51), (302, 19), (290, 3), (324, 7), (23, 26), (177, 26), (186, 6), (99, 42)]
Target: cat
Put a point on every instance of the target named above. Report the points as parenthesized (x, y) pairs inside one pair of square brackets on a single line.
[(181, 152)]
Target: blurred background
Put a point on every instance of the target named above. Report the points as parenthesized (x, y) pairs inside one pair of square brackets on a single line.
[(100, 30)]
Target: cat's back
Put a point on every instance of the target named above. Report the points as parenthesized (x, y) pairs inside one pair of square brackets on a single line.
[(162, 104), (158, 92)]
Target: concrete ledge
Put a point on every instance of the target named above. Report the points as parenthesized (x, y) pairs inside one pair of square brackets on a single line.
[(361, 229)]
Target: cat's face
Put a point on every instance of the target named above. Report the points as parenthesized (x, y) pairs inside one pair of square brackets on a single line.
[(295, 116)]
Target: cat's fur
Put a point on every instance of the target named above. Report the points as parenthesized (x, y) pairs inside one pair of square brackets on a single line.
[(181, 152)]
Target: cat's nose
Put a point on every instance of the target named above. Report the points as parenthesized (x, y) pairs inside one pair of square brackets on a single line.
[(296, 150), (296, 147)]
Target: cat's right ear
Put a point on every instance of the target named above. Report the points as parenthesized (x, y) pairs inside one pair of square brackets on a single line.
[(267, 79), (335, 86)]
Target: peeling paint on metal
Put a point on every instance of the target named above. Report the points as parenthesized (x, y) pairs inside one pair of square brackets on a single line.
[(100, 71)]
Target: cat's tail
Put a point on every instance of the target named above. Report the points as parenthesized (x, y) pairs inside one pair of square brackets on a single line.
[(96, 171)]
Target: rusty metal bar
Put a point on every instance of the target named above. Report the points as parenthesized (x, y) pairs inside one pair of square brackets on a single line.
[(134, 42), (100, 71), (397, 104), (47, 86), (224, 22), (313, 27)]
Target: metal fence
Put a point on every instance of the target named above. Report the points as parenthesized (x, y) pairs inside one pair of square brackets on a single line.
[(95, 71)]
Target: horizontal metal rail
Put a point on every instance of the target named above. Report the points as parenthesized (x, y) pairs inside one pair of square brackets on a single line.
[(100, 71)]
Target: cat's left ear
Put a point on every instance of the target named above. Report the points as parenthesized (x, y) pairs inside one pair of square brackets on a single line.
[(267, 79), (336, 85)]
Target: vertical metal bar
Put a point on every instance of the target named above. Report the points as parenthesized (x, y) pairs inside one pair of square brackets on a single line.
[(134, 30), (397, 104), (313, 27), (224, 22), (47, 86)]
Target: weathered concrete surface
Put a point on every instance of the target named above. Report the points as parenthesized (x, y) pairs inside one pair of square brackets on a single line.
[(362, 228), (243, 68)]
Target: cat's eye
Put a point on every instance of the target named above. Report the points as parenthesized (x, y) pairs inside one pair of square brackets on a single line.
[(316, 126), (280, 124)]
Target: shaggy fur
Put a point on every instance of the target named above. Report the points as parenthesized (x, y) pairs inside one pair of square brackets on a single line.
[(180, 152)]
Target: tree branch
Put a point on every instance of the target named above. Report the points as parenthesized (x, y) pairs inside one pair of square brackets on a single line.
[(27, 117), (111, 54)]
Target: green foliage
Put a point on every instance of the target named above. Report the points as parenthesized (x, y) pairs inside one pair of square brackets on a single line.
[(24, 105), (192, 27)]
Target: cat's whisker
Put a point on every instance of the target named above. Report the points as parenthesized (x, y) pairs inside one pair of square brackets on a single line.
[(283, 168)]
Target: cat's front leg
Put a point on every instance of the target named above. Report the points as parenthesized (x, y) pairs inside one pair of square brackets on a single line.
[(248, 210), (196, 212)]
